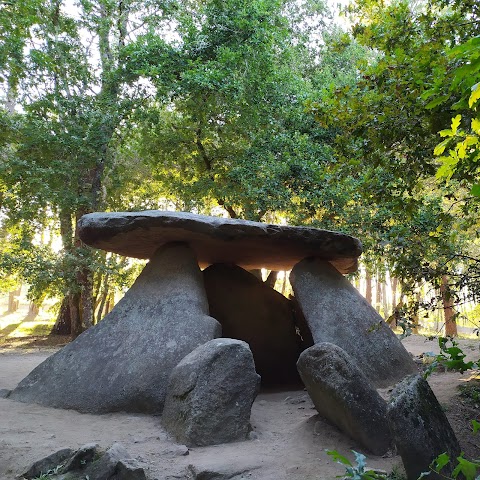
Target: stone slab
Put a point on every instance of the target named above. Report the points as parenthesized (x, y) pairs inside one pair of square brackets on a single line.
[(123, 363), (336, 313), (218, 240), (250, 310)]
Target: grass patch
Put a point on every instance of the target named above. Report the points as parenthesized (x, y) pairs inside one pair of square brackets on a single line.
[(471, 391)]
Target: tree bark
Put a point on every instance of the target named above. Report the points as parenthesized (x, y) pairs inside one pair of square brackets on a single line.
[(13, 302), (448, 310), (368, 287), (63, 325), (378, 294), (272, 278)]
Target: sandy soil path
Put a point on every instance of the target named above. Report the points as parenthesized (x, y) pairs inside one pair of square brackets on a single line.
[(289, 439)]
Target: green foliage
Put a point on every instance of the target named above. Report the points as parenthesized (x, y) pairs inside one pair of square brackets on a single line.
[(358, 470), (464, 469), (451, 357)]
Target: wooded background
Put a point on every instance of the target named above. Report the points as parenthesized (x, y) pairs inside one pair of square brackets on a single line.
[(265, 110)]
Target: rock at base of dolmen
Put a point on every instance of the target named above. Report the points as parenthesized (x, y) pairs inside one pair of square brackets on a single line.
[(343, 395), (123, 363), (337, 313), (210, 394), (420, 428), (250, 310)]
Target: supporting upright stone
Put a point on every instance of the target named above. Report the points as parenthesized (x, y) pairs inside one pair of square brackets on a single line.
[(251, 311), (337, 313), (123, 363), (343, 394), (420, 428), (211, 393)]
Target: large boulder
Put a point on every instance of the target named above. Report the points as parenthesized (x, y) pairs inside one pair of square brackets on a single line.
[(251, 311), (343, 395), (123, 363), (420, 428), (211, 393), (337, 313), (217, 240)]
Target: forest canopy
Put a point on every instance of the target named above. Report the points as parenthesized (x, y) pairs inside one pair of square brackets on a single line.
[(265, 110)]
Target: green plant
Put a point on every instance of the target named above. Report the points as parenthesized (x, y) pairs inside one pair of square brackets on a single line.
[(357, 471), (49, 473), (465, 469), (451, 357)]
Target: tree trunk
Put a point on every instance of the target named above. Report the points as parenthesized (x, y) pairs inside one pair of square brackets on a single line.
[(378, 294), (385, 304), (394, 281), (368, 287), (103, 299), (63, 325), (448, 311), (272, 278), (284, 283), (75, 316), (416, 318), (33, 309), (13, 301)]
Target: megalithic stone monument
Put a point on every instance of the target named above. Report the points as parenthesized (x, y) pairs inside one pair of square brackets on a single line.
[(124, 362)]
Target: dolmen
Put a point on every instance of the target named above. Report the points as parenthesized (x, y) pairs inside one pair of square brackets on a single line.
[(195, 344)]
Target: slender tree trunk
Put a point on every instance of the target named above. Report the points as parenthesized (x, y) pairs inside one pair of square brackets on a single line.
[(394, 281), (272, 278), (103, 298), (378, 293), (110, 303), (385, 301), (448, 311), (284, 283), (33, 309), (368, 288), (13, 302), (416, 318), (75, 315)]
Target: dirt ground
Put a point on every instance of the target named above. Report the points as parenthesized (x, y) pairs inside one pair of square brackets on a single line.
[(289, 439)]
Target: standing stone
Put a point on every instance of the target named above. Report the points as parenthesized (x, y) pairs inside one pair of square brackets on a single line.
[(420, 428), (337, 313), (123, 363), (343, 395), (210, 394), (253, 312)]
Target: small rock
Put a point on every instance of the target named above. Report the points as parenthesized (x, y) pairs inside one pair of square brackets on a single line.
[(296, 400), (4, 392), (210, 394), (344, 395), (48, 463), (81, 458), (262, 402), (129, 470)]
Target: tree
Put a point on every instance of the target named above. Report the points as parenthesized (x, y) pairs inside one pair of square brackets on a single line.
[(76, 100), (230, 130)]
